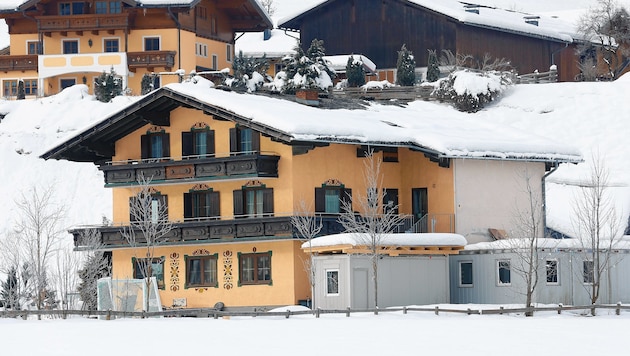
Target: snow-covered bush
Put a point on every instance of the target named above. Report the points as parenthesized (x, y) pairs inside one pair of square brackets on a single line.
[(471, 91), (248, 73), (307, 70), (107, 86), (405, 67), (355, 72)]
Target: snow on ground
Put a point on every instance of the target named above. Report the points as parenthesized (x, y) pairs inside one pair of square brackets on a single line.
[(362, 334)]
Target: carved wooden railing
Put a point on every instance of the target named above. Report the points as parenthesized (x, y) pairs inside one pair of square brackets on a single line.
[(150, 59), (23, 63), (83, 22)]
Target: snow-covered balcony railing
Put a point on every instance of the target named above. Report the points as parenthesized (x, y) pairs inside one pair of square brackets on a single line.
[(85, 22), (21, 63), (206, 167), (151, 59)]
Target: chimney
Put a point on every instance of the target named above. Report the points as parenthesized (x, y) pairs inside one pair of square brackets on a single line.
[(532, 20), (472, 8), (267, 34)]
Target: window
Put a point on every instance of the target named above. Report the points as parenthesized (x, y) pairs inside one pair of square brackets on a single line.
[(111, 45), (198, 142), (465, 273), (201, 50), (30, 86), (153, 209), (390, 201), (278, 67), (202, 12), (201, 204), (551, 266), (115, 7), (255, 268), (588, 272), (71, 8), (34, 47), (151, 43), (244, 140), (65, 8), (66, 83), (503, 272), (11, 87), (228, 56), (253, 202), (328, 198), (201, 271), (154, 267), (100, 7), (213, 25), (155, 145), (215, 61), (70, 47), (332, 282)]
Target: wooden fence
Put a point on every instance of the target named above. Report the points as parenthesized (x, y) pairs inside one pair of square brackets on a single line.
[(536, 77), (213, 313)]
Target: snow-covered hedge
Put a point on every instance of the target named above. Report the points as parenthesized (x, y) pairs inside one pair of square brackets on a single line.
[(471, 91)]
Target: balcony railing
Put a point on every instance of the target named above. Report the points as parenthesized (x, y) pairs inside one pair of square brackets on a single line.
[(151, 59), (22, 63), (191, 168), (83, 22)]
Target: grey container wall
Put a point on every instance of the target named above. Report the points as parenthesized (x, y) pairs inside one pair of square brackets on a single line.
[(403, 280), (569, 290)]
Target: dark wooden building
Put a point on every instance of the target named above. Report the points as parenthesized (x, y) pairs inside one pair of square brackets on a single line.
[(378, 29)]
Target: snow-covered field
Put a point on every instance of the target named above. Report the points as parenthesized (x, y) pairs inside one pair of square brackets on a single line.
[(361, 334)]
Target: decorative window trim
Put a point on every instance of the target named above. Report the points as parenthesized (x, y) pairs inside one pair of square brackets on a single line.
[(202, 254), (254, 184), (161, 259), (105, 39), (242, 255)]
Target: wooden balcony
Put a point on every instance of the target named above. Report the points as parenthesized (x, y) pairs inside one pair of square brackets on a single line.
[(151, 59), (79, 23), (21, 63), (209, 231), (191, 169)]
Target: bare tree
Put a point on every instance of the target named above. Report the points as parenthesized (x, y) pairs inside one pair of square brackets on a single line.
[(65, 275), (95, 266), (268, 6), (148, 228), (597, 225), (308, 227), (375, 220), (524, 238), (608, 26), (453, 62), (39, 232)]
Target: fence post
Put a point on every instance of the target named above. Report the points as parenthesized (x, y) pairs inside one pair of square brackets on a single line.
[(468, 311), (109, 315), (376, 311), (288, 314), (405, 310), (437, 310), (215, 315), (501, 310), (618, 310), (559, 309), (348, 312), (317, 311)]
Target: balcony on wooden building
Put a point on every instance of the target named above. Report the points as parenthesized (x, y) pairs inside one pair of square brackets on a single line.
[(22, 63), (192, 168), (85, 22), (151, 59)]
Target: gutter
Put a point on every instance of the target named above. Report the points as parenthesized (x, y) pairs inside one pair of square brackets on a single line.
[(544, 195)]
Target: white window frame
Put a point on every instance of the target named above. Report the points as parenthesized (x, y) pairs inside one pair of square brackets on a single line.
[(460, 282), (332, 270), (201, 49), (77, 40), (112, 38), (152, 36), (498, 270), (215, 62), (557, 271)]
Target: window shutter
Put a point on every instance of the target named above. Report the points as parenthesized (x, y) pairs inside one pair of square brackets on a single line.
[(166, 145), (255, 141), (145, 144), (210, 142), (233, 140), (187, 144), (320, 200), (268, 201), (215, 207), (238, 203), (188, 206)]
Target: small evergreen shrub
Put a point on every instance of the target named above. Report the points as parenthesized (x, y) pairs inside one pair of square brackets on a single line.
[(248, 72), (471, 98), (307, 70), (107, 86), (355, 72), (405, 67), (21, 93), (433, 69)]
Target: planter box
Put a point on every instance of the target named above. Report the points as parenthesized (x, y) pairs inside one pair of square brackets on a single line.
[(307, 97)]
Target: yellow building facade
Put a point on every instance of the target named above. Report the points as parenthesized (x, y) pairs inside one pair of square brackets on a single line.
[(55, 44)]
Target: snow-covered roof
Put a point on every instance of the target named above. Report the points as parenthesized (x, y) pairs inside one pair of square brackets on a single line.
[(355, 239), (439, 131), (278, 45), (338, 63), (509, 244), (549, 27)]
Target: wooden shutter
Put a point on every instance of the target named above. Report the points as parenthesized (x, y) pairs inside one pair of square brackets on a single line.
[(238, 203), (210, 142), (188, 208), (187, 144), (215, 204), (268, 201), (145, 146), (255, 141), (234, 140), (166, 145), (320, 200)]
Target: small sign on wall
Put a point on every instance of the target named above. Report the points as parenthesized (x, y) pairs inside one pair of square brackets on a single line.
[(179, 302)]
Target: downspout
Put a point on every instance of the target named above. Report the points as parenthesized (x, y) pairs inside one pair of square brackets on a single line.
[(544, 195), (179, 37)]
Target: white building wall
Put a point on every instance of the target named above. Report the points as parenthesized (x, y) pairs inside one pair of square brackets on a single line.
[(489, 193)]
